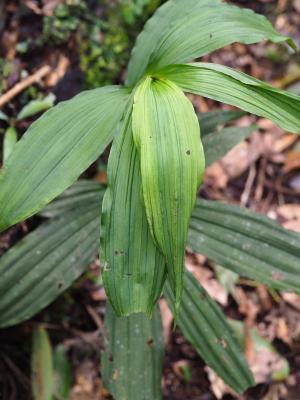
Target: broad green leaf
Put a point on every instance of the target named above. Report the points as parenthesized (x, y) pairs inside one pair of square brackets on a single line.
[(36, 106), (62, 373), (212, 120), (205, 327), (81, 194), (217, 144), (182, 30), (238, 89), (41, 365), (281, 369), (167, 135), (244, 232), (249, 244), (10, 139), (56, 149), (46, 262), (133, 269), (133, 357)]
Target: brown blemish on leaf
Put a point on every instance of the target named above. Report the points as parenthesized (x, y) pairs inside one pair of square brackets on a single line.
[(150, 342)]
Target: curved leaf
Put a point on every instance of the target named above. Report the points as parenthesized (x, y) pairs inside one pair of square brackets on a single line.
[(133, 357), (36, 106), (62, 373), (133, 269), (182, 30), (167, 134), (46, 262), (238, 89), (204, 325), (247, 243), (41, 365), (56, 149)]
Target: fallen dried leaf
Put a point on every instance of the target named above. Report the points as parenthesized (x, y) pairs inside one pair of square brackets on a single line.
[(290, 213), (207, 279), (292, 161)]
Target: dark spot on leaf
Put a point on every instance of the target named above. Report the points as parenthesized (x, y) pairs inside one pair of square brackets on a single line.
[(60, 285), (128, 274), (119, 252), (202, 296), (150, 342), (210, 35), (188, 152), (111, 358)]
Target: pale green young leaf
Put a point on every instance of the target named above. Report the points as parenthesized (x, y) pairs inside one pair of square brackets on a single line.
[(36, 106), (182, 30), (133, 356), (62, 373), (56, 149), (167, 135), (133, 268), (41, 365), (238, 89), (9, 141), (205, 327)]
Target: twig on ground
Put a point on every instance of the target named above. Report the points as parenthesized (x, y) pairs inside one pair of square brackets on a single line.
[(23, 84)]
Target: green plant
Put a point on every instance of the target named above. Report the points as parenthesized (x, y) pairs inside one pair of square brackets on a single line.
[(31, 108), (154, 171)]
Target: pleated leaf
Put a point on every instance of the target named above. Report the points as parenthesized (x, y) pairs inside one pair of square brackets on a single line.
[(81, 194), (167, 135), (56, 149), (212, 120), (247, 243), (244, 232), (41, 365), (133, 268), (46, 262), (133, 357), (217, 144), (182, 30), (205, 327), (238, 89)]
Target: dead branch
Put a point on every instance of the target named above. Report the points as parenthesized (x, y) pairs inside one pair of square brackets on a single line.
[(23, 84)]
